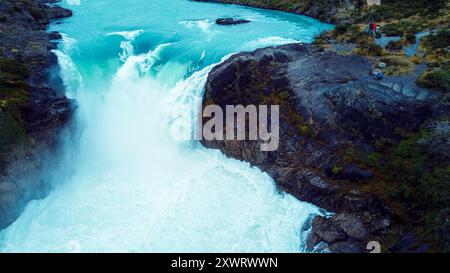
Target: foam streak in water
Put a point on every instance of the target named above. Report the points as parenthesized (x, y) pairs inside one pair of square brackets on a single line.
[(127, 47)]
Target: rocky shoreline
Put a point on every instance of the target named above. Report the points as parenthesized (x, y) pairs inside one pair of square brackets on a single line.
[(34, 109)]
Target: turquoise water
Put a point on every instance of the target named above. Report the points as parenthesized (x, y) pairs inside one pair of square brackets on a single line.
[(134, 68)]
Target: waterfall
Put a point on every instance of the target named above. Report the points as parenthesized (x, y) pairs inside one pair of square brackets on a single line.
[(137, 186)]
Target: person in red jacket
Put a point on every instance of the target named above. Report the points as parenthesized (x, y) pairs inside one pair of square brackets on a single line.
[(374, 29)]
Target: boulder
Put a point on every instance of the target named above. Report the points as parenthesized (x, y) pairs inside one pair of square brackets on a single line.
[(327, 231), (382, 65), (351, 224)]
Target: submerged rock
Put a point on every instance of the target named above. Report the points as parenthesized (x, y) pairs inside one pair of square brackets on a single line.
[(231, 21)]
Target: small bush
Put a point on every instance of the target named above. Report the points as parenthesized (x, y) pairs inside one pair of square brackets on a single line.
[(341, 29), (11, 129), (410, 38), (438, 40), (372, 50), (434, 188), (393, 30), (394, 45), (375, 50), (436, 79)]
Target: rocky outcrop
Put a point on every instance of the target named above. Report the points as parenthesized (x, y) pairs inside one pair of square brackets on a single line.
[(331, 110), (57, 12), (33, 102)]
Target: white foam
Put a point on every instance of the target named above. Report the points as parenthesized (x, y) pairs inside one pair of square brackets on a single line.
[(140, 65), (73, 2), (126, 46), (72, 79), (269, 41), (203, 25)]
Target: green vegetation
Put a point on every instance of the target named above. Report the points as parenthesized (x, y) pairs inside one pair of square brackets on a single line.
[(395, 45), (404, 19), (437, 76), (438, 79), (372, 50), (439, 40), (336, 170), (414, 183), (395, 29), (392, 10), (397, 65), (13, 96)]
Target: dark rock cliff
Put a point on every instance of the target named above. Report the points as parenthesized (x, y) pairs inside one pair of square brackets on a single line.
[(332, 114), (33, 107)]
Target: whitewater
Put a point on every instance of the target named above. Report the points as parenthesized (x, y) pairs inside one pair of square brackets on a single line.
[(131, 183)]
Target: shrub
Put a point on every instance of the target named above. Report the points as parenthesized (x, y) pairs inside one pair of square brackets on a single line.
[(439, 40), (438, 79), (410, 38), (393, 30), (370, 49), (434, 189), (341, 29), (436, 139), (13, 94), (394, 45), (11, 129), (375, 50)]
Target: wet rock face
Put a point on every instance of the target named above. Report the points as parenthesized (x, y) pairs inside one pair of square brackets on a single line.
[(45, 111), (329, 105)]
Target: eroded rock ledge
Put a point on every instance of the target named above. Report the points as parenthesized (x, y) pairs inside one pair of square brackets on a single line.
[(330, 110), (33, 106)]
